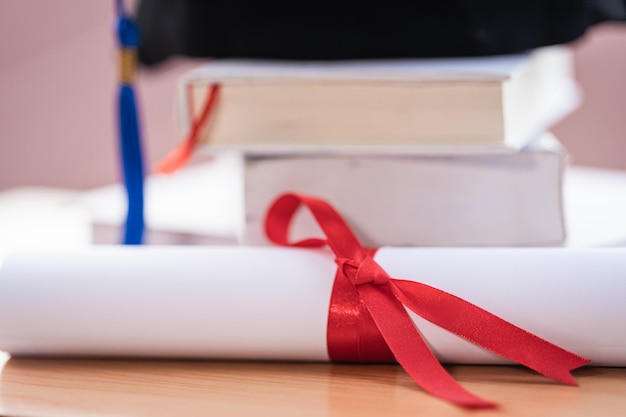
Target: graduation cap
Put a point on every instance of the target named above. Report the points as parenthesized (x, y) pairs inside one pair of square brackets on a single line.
[(350, 29)]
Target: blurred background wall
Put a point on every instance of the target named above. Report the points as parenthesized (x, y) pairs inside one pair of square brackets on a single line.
[(58, 75), (595, 134)]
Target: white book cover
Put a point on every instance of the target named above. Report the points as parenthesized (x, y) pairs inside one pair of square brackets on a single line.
[(463, 200)]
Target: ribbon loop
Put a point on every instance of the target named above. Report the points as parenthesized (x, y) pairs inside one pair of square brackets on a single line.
[(368, 307)]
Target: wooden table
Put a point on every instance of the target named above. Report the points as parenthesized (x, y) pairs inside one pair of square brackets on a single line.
[(89, 387)]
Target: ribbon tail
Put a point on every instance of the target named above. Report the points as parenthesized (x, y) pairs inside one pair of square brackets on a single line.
[(409, 348), (180, 155), (130, 148), (488, 330), (177, 158)]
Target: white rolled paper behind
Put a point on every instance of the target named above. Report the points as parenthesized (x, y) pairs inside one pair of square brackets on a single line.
[(272, 303)]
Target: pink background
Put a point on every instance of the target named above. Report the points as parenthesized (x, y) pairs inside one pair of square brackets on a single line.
[(57, 80)]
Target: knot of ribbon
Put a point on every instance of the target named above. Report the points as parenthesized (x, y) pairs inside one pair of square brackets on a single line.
[(366, 271), (368, 321)]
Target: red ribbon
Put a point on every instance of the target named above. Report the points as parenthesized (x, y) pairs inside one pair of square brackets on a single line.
[(368, 322), (179, 156)]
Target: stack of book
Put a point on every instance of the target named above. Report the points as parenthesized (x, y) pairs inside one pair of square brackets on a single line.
[(421, 152)]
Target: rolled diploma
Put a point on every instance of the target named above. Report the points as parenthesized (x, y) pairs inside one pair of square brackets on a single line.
[(272, 303)]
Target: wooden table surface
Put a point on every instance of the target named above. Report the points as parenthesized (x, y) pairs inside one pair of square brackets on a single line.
[(90, 387)]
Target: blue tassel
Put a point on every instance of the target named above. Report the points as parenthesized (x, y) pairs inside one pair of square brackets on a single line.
[(129, 134), (132, 165)]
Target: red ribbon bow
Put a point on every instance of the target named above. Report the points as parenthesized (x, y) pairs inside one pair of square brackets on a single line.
[(363, 289)]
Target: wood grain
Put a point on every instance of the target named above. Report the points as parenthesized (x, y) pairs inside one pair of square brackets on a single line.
[(82, 387)]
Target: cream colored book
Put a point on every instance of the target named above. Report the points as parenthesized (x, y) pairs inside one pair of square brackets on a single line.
[(476, 104)]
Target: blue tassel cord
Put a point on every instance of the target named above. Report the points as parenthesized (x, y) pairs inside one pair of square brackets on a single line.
[(129, 134)]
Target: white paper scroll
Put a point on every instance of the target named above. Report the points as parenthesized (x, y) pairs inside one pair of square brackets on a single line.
[(272, 303)]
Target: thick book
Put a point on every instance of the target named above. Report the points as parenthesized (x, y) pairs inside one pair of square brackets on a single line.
[(506, 199), (455, 105)]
